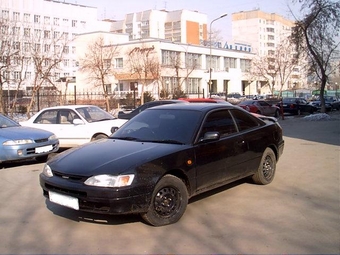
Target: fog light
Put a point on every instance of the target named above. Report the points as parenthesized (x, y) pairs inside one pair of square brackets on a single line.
[(20, 152)]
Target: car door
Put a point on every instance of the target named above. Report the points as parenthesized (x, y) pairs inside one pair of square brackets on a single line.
[(266, 108), (216, 160), (70, 134)]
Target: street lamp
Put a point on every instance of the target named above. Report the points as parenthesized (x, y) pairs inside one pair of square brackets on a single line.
[(220, 17)]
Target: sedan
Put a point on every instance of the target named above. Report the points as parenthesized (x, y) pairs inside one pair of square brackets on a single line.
[(297, 105), (17, 142), (75, 124), (162, 157), (260, 107)]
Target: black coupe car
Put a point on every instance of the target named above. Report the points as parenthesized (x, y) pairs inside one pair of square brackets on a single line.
[(159, 159)]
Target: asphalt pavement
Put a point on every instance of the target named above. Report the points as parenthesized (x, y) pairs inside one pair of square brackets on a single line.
[(298, 213)]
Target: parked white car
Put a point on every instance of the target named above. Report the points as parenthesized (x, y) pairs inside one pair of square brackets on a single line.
[(75, 124)]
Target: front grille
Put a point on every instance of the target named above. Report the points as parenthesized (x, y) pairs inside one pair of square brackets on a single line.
[(41, 140), (70, 177)]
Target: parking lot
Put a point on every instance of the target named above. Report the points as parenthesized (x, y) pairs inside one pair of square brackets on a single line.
[(297, 213)]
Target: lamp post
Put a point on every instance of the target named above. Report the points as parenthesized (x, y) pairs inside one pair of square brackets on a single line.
[(220, 17)]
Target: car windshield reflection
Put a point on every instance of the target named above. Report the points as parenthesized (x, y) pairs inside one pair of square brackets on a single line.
[(94, 114), (161, 126)]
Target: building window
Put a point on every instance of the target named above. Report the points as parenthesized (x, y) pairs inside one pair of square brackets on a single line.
[(47, 20), (47, 34), (37, 33), (119, 62), (27, 32), (27, 17), (245, 65), (47, 47), (169, 58), (66, 62), (5, 14), (66, 50), (74, 23), (230, 62), (193, 85), (193, 61), (214, 63), (36, 18), (16, 30), (107, 63), (56, 21), (16, 75), (83, 24), (73, 50), (65, 22), (16, 16), (16, 45), (56, 35), (28, 75)]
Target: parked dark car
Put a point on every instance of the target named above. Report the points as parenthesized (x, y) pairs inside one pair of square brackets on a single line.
[(129, 115), (18, 142), (297, 106), (260, 107), (330, 103), (159, 159)]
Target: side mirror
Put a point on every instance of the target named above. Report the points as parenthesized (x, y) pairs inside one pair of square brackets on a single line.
[(78, 122), (114, 129), (210, 136)]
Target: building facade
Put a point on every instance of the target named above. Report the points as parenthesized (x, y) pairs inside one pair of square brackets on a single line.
[(178, 26), (178, 65)]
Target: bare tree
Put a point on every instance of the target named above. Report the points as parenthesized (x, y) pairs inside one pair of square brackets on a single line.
[(143, 63), (9, 52), (277, 66), (317, 34), (46, 50), (97, 63)]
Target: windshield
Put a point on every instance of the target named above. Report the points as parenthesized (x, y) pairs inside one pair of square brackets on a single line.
[(161, 125), (7, 122), (94, 114)]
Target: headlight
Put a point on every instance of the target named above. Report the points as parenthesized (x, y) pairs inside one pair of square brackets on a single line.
[(52, 137), (17, 142), (106, 180), (47, 171)]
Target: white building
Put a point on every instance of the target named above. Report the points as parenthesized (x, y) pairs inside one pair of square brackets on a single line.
[(186, 64)]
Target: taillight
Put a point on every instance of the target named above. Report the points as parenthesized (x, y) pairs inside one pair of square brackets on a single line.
[(292, 106)]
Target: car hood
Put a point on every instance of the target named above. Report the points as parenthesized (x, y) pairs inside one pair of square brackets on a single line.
[(109, 156), (19, 132)]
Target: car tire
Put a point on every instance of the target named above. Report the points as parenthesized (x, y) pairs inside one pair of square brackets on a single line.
[(266, 171), (168, 203)]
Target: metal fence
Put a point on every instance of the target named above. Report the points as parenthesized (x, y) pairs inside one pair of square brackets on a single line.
[(49, 99)]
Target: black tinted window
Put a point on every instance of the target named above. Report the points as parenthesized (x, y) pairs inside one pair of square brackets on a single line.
[(220, 121), (244, 120)]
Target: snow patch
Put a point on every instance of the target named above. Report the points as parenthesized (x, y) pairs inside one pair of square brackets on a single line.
[(317, 117)]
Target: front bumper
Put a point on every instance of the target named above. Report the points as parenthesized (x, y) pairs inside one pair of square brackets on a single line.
[(97, 199)]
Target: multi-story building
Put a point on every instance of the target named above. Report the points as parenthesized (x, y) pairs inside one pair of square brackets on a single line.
[(264, 31), (45, 26), (268, 35), (178, 26)]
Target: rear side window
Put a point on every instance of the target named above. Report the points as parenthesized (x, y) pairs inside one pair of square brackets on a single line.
[(245, 121), (220, 121)]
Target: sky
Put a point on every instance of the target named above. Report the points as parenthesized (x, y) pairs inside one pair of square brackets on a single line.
[(116, 10)]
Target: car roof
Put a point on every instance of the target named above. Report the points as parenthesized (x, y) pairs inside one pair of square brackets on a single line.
[(194, 106), (69, 106)]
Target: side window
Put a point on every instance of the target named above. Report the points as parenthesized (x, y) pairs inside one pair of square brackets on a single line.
[(65, 117), (220, 121), (47, 117), (244, 121)]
